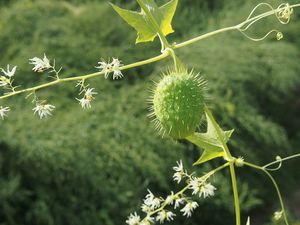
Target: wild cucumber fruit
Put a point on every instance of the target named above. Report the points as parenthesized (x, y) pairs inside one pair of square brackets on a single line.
[(178, 104)]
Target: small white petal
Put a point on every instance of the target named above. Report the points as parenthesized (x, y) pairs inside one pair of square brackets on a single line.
[(9, 73), (189, 208), (4, 111)]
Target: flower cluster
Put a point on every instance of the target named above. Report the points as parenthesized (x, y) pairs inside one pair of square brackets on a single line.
[(88, 94), (159, 210), (85, 102), (113, 66)]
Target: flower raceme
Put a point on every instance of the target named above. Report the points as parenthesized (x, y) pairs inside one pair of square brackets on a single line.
[(158, 209)]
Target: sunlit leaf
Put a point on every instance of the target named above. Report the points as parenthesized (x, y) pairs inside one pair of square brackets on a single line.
[(144, 26), (210, 142)]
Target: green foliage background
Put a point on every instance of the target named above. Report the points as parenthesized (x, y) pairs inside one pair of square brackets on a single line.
[(93, 167)]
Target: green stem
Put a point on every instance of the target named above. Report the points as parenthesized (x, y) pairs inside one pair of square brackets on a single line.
[(204, 36), (235, 194), (236, 27), (84, 77), (231, 166), (279, 196), (174, 57), (275, 185), (281, 160)]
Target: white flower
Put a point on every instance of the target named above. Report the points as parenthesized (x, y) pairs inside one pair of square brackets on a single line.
[(114, 67), (104, 67), (117, 74), (152, 201), (43, 110), (161, 216), (178, 202), (116, 64), (179, 167), (89, 93), (40, 64), (170, 199), (195, 183), (9, 73), (207, 190), (239, 162), (85, 102), (278, 215), (178, 177), (133, 219), (179, 173), (188, 208), (145, 208), (170, 216), (4, 111), (164, 215)]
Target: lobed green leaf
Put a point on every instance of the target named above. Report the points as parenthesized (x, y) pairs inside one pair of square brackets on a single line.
[(146, 30)]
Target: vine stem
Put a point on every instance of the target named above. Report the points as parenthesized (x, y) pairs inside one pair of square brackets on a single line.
[(231, 161), (84, 77), (275, 185), (236, 27), (164, 54), (281, 160)]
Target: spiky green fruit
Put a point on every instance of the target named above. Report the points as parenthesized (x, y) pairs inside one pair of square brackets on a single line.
[(178, 104)]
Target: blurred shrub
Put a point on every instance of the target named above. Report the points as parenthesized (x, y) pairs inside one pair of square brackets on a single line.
[(93, 167)]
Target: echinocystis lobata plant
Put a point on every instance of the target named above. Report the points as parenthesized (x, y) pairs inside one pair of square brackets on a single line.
[(178, 106)]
